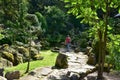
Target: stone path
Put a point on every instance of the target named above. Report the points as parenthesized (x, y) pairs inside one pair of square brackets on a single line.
[(78, 63), (77, 68)]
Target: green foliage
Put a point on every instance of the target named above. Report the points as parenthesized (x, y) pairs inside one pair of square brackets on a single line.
[(5, 41), (42, 19), (45, 44), (17, 27), (116, 26), (13, 18), (1, 35), (113, 44), (83, 39), (88, 11), (114, 50), (39, 5), (100, 22), (55, 38), (8, 56), (56, 21)]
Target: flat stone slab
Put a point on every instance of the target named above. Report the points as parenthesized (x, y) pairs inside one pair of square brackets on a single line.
[(78, 70), (88, 67), (29, 77), (45, 71)]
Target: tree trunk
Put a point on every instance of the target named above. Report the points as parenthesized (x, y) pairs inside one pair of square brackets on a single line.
[(100, 67), (28, 65), (102, 46)]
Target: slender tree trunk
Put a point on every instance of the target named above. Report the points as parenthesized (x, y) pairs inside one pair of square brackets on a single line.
[(28, 65), (102, 46), (100, 74)]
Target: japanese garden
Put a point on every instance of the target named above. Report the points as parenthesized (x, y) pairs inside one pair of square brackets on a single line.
[(59, 39)]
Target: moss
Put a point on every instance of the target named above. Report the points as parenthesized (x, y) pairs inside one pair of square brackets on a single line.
[(37, 57), (23, 51), (8, 56)]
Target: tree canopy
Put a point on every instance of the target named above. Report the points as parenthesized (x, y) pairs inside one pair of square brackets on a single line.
[(88, 10)]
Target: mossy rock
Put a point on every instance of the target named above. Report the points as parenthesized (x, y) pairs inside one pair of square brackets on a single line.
[(5, 63), (33, 51), (107, 67), (8, 56), (5, 46), (61, 61), (17, 59), (91, 60), (23, 51), (37, 57), (77, 50)]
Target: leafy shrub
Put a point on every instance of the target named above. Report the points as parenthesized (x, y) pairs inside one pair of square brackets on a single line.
[(45, 44), (5, 41), (114, 49), (83, 43), (41, 19)]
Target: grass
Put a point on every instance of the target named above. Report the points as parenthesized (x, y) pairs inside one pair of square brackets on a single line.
[(49, 60)]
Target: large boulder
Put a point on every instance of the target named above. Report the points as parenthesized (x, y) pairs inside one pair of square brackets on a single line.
[(5, 63), (55, 49), (23, 51), (91, 59), (77, 50), (37, 57), (12, 75), (18, 58), (7, 55), (33, 52), (2, 78), (61, 61), (88, 51), (4, 47)]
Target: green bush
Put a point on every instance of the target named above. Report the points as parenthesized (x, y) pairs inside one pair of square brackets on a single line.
[(41, 19), (45, 44), (83, 43), (5, 41), (114, 49)]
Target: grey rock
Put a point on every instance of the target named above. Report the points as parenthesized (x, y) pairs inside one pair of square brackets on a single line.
[(61, 61), (91, 77), (12, 75), (2, 78), (5, 63), (1, 71)]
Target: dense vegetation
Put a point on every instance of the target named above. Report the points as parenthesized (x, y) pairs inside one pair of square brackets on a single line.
[(99, 15), (49, 21)]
